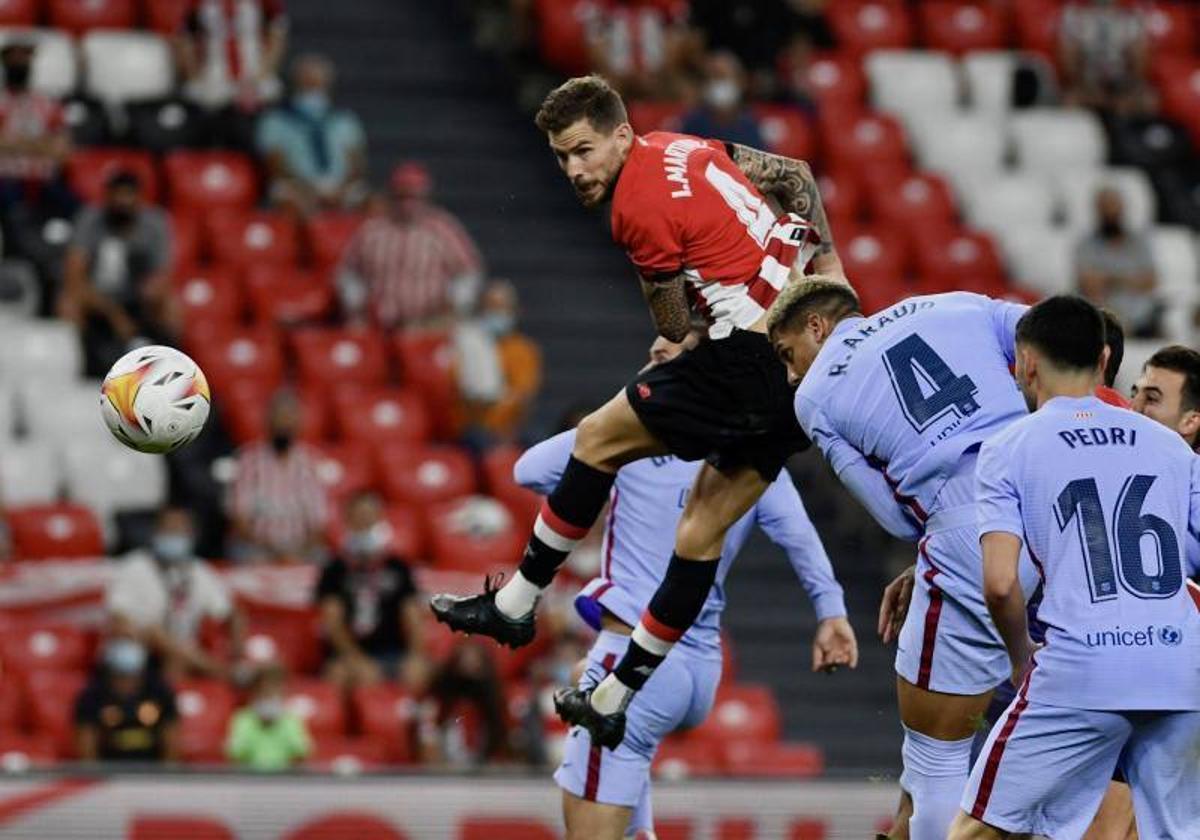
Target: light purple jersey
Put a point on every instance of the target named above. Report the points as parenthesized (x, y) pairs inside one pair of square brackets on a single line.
[(894, 399), (1104, 500), (647, 501)]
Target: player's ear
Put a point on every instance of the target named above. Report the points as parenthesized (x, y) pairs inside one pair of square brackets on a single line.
[(1103, 368), (1189, 425), (624, 136)]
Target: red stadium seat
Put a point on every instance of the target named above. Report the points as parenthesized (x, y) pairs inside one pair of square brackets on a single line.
[(458, 543), (876, 261), (211, 294), (89, 169), (561, 37), (243, 354), (504, 828), (406, 532), (244, 405), (282, 294), (185, 241), (742, 712), (914, 201), (1172, 28), (331, 357), (864, 139), (424, 476), (79, 16), (169, 827), (786, 130), (836, 80), (523, 504), (52, 696), (58, 531), (1180, 93), (1037, 25), (427, 364), (347, 755), (329, 234), (647, 116), (841, 195), (381, 415), (958, 260), (12, 704), (19, 12), (260, 238), (387, 714), (319, 704), (959, 26), (345, 468), (54, 647), (779, 759), (19, 752), (864, 25), (202, 181), (284, 635), (205, 707), (680, 758), (166, 16)]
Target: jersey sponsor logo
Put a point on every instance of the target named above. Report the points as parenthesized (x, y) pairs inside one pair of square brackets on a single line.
[(1167, 635), (1170, 636), (675, 162)]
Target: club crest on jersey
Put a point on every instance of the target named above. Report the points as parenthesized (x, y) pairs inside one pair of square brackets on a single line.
[(1083, 415), (643, 390)]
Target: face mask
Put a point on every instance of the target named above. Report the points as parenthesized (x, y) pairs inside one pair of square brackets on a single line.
[(498, 323), (172, 548), (561, 675), (269, 708), (1110, 228), (119, 217), (124, 656), (368, 542), (16, 76), (722, 94), (281, 441), (312, 103)]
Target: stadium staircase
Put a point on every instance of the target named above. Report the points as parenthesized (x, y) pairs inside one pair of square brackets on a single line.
[(424, 92)]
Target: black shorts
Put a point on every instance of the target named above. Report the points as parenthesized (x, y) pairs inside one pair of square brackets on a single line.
[(727, 401)]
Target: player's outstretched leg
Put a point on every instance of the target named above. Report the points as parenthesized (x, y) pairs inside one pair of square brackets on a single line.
[(608, 438), (718, 499)]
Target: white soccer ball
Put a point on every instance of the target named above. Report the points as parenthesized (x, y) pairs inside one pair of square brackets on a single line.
[(155, 399)]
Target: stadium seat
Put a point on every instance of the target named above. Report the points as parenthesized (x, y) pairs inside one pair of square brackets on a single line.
[(1172, 28), (1049, 140), (80, 16), (89, 169), (20, 752), (8, 408), (741, 712), (679, 758), (166, 16), (841, 194), (646, 116), (961, 146), (42, 351), (1180, 95), (959, 260), (1077, 190), (285, 635), (1177, 269), (753, 758), (319, 704), (127, 66), (205, 707), (55, 64), (787, 130), (508, 828), (861, 26), (426, 360), (211, 294), (26, 648), (876, 261), (111, 478), (1148, 142), (347, 756), (386, 713), (916, 201), (424, 476), (1037, 25), (345, 468), (244, 405), (282, 294), (475, 534), (185, 242), (912, 84), (1002, 201), (864, 139), (204, 181), (561, 38), (329, 234), (498, 480), (989, 76), (331, 357), (835, 80), (60, 530), (380, 415), (1178, 189), (62, 412), (19, 12), (1039, 258), (165, 125), (406, 532), (228, 356), (156, 826), (961, 26), (29, 472), (252, 239), (51, 697)]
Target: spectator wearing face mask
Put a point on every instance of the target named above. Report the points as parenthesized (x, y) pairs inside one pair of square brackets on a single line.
[(1115, 270), (126, 712), (499, 368), (722, 113), (162, 595), (266, 735), (371, 617), (316, 153), (277, 501)]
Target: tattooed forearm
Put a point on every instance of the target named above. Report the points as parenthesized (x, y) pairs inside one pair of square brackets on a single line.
[(669, 307), (788, 181)]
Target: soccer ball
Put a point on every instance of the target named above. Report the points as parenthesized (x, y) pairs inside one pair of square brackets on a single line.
[(155, 399)]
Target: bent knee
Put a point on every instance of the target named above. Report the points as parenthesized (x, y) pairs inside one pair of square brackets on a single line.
[(699, 537)]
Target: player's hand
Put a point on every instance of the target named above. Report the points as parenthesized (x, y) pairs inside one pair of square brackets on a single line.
[(894, 608), (1022, 661), (834, 646)]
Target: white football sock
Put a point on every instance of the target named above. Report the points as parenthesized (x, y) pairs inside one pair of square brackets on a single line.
[(518, 597), (935, 774)]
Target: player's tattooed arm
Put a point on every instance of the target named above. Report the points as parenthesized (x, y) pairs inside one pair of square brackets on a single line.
[(790, 182), (669, 308)]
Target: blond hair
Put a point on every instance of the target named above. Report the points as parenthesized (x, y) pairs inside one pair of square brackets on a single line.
[(815, 292)]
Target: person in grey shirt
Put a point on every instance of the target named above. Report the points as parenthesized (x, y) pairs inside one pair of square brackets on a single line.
[(1115, 270), (114, 275)]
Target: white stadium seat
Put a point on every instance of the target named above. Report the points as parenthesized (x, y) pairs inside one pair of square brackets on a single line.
[(62, 412), (55, 62), (127, 66), (1077, 191), (1177, 266), (29, 473), (1009, 200), (8, 411), (40, 350), (1040, 258), (110, 478), (911, 83), (989, 76), (1050, 140), (964, 147)]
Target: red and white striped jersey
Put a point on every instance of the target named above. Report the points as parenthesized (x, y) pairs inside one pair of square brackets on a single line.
[(682, 205), (24, 117), (280, 498), (234, 32)]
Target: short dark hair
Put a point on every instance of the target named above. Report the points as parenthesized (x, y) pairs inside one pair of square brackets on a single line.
[(1114, 340), (120, 178), (584, 97), (1182, 360), (818, 293), (1067, 329)]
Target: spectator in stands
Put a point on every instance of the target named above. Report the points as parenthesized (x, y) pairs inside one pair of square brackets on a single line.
[(467, 678), (316, 154), (1103, 48), (265, 735), (723, 113), (114, 276), (229, 55), (413, 267), (126, 712), (499, 368), (372, 619), (1114, 269), (161, 596), (644, 47), (277, 503)]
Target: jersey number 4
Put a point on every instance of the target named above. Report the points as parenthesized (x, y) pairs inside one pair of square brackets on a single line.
[(1079, 502), (925, 385)]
